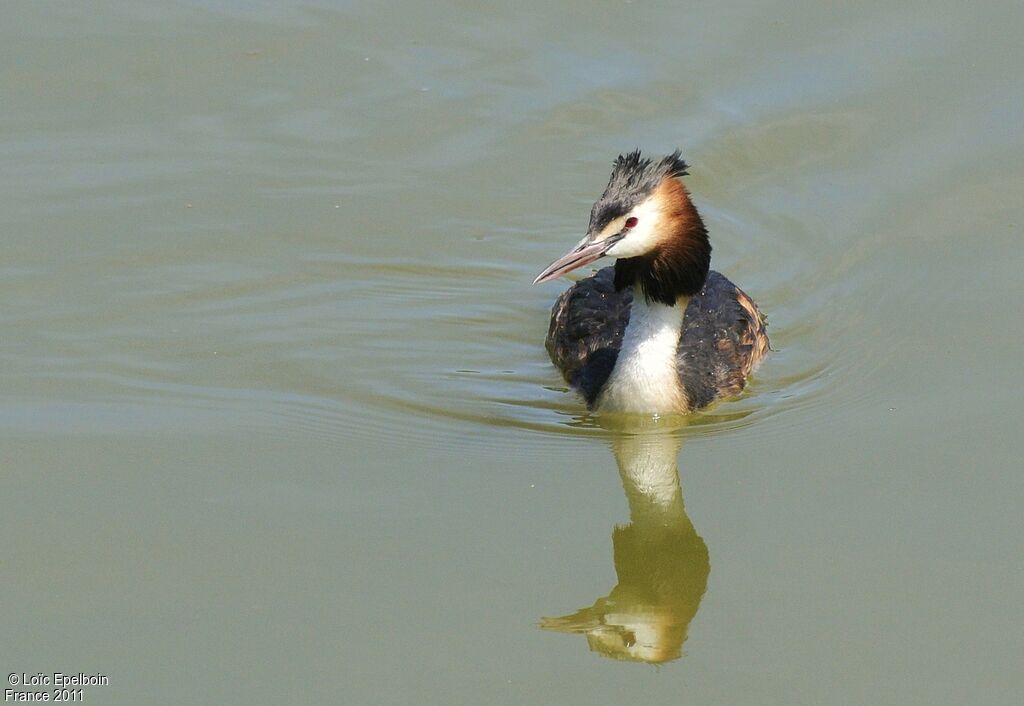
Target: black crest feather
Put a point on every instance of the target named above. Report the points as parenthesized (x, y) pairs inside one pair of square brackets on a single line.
[(633, 179), (635, 173)]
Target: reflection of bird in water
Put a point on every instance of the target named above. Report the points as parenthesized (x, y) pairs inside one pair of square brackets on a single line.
[(658, 333), (661, 562)]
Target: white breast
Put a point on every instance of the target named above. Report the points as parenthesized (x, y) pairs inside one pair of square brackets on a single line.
[(645, 379)]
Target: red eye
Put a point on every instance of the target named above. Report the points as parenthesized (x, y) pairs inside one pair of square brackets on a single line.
[(631, 222)]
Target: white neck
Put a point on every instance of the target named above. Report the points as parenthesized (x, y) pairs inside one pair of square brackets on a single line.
[(645, 379)]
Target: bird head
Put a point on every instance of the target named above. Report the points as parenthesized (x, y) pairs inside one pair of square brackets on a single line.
[(645, 220)]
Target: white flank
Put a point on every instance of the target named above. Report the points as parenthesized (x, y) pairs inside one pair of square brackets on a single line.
[(645, 380)]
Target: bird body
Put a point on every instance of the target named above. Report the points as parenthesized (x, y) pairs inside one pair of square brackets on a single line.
[(658, 333)]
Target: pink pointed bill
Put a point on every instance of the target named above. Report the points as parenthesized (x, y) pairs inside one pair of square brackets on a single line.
[(583, 254)]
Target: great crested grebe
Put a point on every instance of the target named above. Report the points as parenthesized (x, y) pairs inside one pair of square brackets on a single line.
[(660, 332)]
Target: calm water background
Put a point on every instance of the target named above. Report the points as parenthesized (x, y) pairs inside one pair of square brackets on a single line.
[(277, 423)]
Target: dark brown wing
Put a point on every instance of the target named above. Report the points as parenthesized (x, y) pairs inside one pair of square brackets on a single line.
[(723, 339), (587, 323)]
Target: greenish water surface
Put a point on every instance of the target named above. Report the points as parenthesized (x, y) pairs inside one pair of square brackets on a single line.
[(276, 420)]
